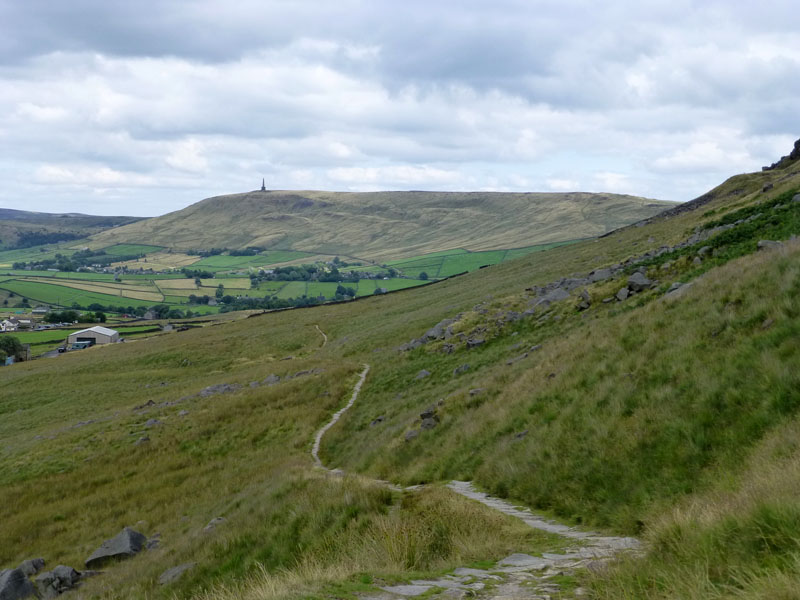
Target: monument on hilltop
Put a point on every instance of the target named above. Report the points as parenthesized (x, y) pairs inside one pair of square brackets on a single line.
[(263, 187)]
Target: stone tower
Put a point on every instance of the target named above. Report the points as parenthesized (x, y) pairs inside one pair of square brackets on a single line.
[(263, 187)]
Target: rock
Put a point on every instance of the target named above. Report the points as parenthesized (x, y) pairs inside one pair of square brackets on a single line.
[(607, 299), (535, 348), (422, 374), (54, 583), (769, 245), (476, 391), (428, 413), (213, 523), (697, 261), (124, 545), (411, 435), (448, 348), (675, 286), (556, 295), (438, 331), (520, 435), (622, 294), (511, 316), (638, 282), (796, 198), (430, 423), (516, 359), (142, 440), (220, 388), (475, 342), (529, 313), (462, 369), (600, 275), (183, 413), (704, 251), (585, 300), (767, 323), (254, 384), (271, 380), (152, 423), (766, 187), (677, 289), (31, 566), (569, 284), (14, 585), (174, 573), (666, 266), (377, 421)]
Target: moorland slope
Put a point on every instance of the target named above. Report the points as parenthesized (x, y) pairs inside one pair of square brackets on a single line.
[(386, 225), (643, 383)]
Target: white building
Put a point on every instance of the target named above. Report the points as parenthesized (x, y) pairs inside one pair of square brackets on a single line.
[(96, 335)]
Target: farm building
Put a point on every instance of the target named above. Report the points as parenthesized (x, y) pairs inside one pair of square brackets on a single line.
[(95, 335)]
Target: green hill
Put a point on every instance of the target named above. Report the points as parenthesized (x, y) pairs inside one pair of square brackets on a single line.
[(23, 229), (671, 413), (386, 225)]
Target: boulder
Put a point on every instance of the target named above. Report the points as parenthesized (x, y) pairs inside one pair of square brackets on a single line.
[(516, 359), (14, 585), (622, 294), (556, 295), (213, 523), (31, 566), (438, 331), (411, 435), (638, 282), (428, 413), (271, 380), (429, 423), (422, 374), (220, 388), (475, 342), (704, 251), (697, 261), (796, 198), (462, 369), (54, 583), (125, 544), (142, 440), (448, 348), (152, 423), (585, 300), (174, 573), (377, 421), (769, 245), (600, 275), (476, 391), (570, 283), (511, 316), (766, 187)]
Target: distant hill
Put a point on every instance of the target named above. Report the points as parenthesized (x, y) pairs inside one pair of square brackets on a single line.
[(22, 229), (381, 225)]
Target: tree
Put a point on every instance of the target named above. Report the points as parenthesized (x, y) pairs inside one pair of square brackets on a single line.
[(11, 346), (423, 276), (100, 316), (220, 291)]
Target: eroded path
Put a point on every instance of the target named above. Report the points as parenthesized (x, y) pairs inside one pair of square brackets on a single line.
[(324, 337), (516, 577)]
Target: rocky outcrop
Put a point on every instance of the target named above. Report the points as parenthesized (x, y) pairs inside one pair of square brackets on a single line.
[(785, 161), (125, 544), (174, 573), (54, 583), (15, 585)]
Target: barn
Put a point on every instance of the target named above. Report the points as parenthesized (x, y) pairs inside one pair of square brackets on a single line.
[(95, 335)]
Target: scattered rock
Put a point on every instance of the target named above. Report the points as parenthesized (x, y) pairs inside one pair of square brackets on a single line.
[(769, 245), (766, 187), (430, 423), (15, 585), (152, 423), (516, 359), (585, 300), (520, 435), (476, 391), (796, 198), (147, 404), (622, 294), (767, 323), (254, 384), (535, 348), (422, 374), (124, 545), (448, 348), (475, 342), (638, 282), (704, 251), (411, 435), (428, 413), (271, 380), (607, 299), (213, 523), (600, 275), (183, 413), (142, 440), (54, 583), (174, 573), (462, 369), (31, 566), (220, 388), (377, 421)]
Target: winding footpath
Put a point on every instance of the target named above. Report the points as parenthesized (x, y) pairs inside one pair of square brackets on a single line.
[(324, 337), (516, 577)]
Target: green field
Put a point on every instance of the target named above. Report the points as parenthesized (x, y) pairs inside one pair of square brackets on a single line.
[(63, 296), (8, 257), (220, 262), (131, 249)]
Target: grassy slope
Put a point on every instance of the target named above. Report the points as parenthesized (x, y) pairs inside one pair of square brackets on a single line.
[(614, 400), (386, 225), (15, 222)]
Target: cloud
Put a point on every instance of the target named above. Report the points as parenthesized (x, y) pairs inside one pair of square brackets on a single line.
[(158, 104)]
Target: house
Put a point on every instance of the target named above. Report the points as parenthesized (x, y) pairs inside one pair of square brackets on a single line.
[(94, 335), (40, 310), (24, 323), (7, 325), (150, 315)]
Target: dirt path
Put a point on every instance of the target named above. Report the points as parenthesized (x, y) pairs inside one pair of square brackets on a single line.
[(516, 577), (324, 337), (337, 415)]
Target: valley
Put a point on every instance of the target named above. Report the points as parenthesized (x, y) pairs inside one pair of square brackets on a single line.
[(640, 384)]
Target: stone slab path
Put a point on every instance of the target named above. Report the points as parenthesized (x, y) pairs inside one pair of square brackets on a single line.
[(517, 576)]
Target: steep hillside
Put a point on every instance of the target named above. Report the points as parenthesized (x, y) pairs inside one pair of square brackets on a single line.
[(645, 382), (386, 225), (22, 229)]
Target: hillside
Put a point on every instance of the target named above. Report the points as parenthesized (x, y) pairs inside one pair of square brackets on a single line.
[(386, 225), (644, 383), (22, 229)]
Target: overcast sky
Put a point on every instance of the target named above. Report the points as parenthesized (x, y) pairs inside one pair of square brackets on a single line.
[(141, 108)]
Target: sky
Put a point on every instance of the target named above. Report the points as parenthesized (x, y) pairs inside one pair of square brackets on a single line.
[(142, 108)]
